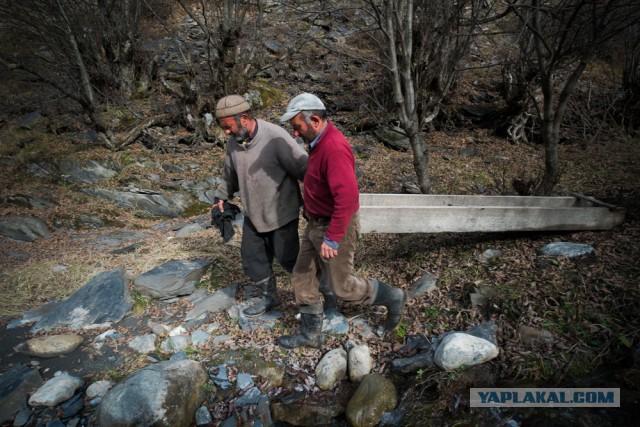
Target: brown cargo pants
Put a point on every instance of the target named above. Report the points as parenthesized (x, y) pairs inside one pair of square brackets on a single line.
[(338, 271)]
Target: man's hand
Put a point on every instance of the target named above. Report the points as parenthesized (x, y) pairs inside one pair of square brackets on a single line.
[(327, 252), (219, 204)]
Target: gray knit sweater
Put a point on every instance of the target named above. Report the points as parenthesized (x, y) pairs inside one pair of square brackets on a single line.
[(266, 171)]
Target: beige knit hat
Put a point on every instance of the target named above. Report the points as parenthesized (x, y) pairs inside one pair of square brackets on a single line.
[(231, 105)]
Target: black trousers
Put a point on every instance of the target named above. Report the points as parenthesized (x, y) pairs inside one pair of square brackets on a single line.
[(259, 249)]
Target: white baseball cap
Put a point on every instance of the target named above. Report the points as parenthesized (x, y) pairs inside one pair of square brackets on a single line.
[(303, 102)]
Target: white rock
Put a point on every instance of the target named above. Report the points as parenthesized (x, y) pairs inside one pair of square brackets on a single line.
[(359, 362), (331, 369), (459, 349), (58, 389)]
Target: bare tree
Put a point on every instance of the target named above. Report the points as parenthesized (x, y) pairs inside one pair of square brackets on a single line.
[(89, 50), (558, 39), (232, 30), (422, 44), (631, 78)]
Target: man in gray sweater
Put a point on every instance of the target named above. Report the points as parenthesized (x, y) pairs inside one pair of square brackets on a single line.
[(265, 164)]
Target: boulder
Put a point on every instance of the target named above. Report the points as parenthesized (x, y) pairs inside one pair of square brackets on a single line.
[(103, 299), (359, 362), (172, 279), (24, 228), (166, 394), (331, 369), (459, 349), (55, 391), (375, 396)]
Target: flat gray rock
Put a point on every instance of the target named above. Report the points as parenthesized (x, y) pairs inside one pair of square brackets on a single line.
[(172, 279), (103, 299), (423, 286), (24, 228), (157, 205), (566, 249), (86, 171), (214, 303)]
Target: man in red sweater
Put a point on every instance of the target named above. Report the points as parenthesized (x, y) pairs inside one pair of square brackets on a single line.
[(328, 244)]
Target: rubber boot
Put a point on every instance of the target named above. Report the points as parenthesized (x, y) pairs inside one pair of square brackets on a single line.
[(267, 300), (394, 300), (330, 299), (310, 334)]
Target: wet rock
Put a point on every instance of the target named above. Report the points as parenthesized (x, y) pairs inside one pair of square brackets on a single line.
[(15, 385), (166, 394), (58, 389), (423, 286), (359, 362), (50, 346), (306, 414), (459, 349), (105, 298), (24, 228), (331, 369), (566, 249), (72, 407), (171, 279), (535, 337), (375, 396), (23, 418)]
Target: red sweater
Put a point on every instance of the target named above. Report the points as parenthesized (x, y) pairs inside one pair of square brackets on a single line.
[(330, 185)]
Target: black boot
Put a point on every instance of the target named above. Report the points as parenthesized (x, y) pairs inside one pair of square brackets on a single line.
[(394, 300), (268, 298), (310, 329), (330, 299)]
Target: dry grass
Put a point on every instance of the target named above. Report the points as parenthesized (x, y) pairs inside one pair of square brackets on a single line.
[(35, 283)]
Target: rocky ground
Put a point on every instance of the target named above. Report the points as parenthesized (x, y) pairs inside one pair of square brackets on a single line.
[(559, 321)]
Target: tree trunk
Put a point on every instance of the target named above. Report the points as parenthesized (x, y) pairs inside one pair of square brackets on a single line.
[(420, 158)]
